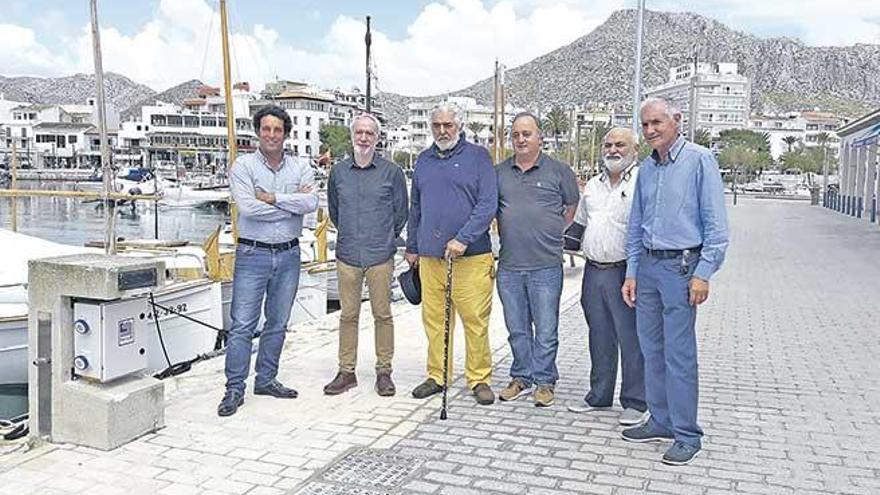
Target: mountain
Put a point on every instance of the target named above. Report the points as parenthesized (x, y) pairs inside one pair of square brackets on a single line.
[(76, 89), (174, 95), (786, 74)]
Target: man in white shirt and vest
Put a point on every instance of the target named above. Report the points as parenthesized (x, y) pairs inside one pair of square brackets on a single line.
[(603, 213)]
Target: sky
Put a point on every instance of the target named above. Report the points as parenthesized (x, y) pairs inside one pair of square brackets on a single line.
[(420, 47)]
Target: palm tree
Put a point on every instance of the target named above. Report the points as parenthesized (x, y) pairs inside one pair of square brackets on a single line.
[(556, 123), (476, 128), (790, 141), (703, 137)]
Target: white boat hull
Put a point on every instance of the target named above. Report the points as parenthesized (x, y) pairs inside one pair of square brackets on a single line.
[(13, 350)]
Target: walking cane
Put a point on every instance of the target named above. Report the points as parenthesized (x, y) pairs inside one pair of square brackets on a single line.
[(447, 322)]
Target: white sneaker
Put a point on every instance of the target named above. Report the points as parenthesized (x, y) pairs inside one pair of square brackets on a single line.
[(583, 406), (631, 417)]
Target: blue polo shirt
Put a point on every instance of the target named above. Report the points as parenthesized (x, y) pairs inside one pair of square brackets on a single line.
[(454, 194)]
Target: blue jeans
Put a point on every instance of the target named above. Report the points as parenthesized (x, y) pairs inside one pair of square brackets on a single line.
[(531, 311), (665, 322), (264, 279), (612, 326)]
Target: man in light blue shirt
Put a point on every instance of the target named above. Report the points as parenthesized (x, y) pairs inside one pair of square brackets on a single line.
[(676, 240), (272, 192)]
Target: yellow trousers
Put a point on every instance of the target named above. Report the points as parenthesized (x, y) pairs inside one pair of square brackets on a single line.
[(472, 283)]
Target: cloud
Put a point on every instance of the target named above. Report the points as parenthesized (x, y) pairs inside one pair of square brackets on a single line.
[(450, 43)]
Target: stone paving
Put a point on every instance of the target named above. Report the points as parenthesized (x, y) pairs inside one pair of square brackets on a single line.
[(790, 400)]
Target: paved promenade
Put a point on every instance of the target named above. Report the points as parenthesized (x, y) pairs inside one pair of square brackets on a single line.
[(790, 400)]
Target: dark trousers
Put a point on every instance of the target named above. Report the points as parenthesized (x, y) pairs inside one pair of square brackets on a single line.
[(612, 326)]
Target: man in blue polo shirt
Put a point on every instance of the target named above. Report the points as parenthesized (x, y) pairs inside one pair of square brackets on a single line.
[(676, 240), (537, 198), (453, 200)]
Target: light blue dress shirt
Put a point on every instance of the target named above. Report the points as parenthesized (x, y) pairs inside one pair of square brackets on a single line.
[(679, 204), (271, 223)]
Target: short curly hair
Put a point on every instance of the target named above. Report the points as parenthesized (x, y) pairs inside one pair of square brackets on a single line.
[(275, 111)]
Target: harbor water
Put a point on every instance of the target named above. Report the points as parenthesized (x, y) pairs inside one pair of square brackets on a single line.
[(75, 221)]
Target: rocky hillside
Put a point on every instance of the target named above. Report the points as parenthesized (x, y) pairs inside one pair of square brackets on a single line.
[(174, 95), (786, 74), (76, 89)]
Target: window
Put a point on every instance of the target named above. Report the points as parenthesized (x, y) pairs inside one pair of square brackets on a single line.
[(309, 149), (295, 134), (295, 120), (295, 149), (71, 139), (308, 121), (308, 135)]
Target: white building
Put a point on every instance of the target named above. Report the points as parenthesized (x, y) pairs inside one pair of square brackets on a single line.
[(786, 132), (474, 115), (715, 96)]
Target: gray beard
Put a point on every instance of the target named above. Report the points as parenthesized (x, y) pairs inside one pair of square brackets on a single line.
[(618, 165), (448, 145)]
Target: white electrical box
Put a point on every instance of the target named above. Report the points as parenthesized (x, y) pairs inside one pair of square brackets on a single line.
[(108, 343)]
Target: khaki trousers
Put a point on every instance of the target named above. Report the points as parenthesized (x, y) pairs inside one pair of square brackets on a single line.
[(472, 286), (351, 283)]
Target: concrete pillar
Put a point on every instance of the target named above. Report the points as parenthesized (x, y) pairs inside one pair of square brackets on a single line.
[(861, 179), (872, 186)]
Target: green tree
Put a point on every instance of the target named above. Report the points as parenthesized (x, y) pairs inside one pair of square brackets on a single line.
[(337, 139), (740, 158), (556, 123), (403, 158), (790, 141), (703, 137), (759, 142)]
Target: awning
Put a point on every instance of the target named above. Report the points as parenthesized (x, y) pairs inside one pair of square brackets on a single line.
[(867, 137)]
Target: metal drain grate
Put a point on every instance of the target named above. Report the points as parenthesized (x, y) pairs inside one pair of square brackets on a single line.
[(319, 488), (363, 472), (372, 468)]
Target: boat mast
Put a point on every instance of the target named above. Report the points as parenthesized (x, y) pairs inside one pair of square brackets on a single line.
[(637, 78), (109, 211), (368, 40), (230, 114), (227, 86)]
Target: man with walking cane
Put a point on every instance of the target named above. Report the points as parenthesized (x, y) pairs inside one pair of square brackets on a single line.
[(454, 197)]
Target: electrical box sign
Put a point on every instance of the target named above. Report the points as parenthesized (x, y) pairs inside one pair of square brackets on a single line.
[(126, 332), (137, 279)]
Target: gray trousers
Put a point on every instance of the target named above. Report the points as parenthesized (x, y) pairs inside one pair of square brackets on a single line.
[(612, 326)]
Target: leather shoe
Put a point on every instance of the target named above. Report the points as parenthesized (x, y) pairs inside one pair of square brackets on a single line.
[(384, 385), (230, 403), (343, 381), (277, 390), (426, 389)]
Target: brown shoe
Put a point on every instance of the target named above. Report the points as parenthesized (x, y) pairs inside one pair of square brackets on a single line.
[(384, 384), (484, 394), (544, 396), (343, 381), (514, 390)]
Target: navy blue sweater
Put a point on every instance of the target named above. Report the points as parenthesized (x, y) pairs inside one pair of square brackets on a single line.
[(454, 195)]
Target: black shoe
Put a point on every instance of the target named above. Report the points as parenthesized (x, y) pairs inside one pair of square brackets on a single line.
[(343, 381), (277, 390), (384, 384), (230, 403), (426, 389)]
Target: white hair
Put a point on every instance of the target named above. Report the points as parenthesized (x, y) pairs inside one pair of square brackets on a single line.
[(368, 116), (448, 107), (669, 106)]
